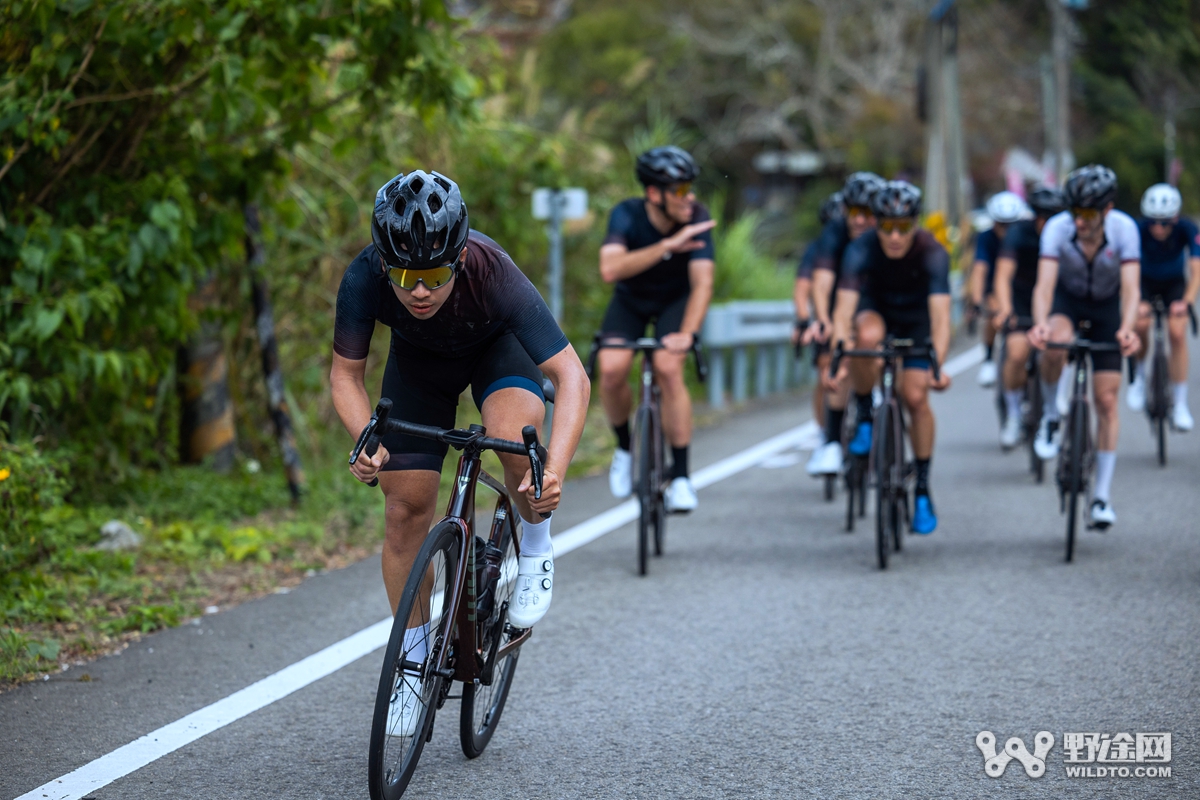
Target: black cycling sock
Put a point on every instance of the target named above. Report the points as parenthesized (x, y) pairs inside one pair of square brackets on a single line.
[(622, 432), (834, 419), (865, 405), (987, 351), (922, 476), (679, 462)]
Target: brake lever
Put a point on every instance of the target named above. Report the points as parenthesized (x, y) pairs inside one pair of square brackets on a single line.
[(537, 459), (590, 367), (368, 440), (701, 364), (1192, 317), (836, 361)]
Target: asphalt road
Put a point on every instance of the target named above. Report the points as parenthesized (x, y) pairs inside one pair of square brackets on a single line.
[(764, 656)]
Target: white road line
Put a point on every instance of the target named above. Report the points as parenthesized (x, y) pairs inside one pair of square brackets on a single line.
[(169, 738)]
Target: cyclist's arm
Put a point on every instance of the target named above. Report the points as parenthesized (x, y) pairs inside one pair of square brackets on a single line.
[(1131, 293), (978, 277), (350, 399), (1193, 287), (1043, 291), (843, 321), (800, 295), (822, 284), (1006, 267), (700, 275), (939, 324), (572, 390), (618, 263)]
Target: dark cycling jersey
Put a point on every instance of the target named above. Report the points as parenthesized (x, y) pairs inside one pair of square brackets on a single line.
[(1167, 260), (1100, 278), (805, 268), (629, 225), (490, 296), (1022, 244), (903, 284), (987, 248), (830, 248)]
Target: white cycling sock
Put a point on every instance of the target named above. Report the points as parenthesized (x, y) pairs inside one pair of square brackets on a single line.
[(1180, 391), (1012, 397), (416, 642), (535, 538), (1106, 462), (1140, 369), (1050, 400)]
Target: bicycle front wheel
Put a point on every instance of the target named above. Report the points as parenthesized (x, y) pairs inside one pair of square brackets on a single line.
[(645, 488), (482, 704), (884, 456), (656, 483), (851, 492), (397, 737), (1078, 426), (1160, 405)]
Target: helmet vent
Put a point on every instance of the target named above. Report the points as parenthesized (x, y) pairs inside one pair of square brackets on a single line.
[(399, 206), (417, 185), (435, 203)]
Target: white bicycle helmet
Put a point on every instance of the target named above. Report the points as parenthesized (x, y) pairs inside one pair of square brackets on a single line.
[(1161, 201), (1007, 207)]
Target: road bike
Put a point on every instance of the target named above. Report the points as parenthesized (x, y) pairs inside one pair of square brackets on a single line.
[(855, 472), (829, 480), (649, 441), (1077, 452), (1031, 400), (459, 592), (1159, 403), (888, 463)]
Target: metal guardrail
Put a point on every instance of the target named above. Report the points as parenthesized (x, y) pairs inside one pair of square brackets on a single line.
[(733, 332)]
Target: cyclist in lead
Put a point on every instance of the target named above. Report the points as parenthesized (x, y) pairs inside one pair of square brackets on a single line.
[(461, 315), (828, 255), (1003, 209), (896, 279), (659, 253), (1016, 275), (1088, 269), (1170, 268)]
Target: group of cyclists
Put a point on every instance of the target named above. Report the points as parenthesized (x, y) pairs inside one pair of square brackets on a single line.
[(463, 315)]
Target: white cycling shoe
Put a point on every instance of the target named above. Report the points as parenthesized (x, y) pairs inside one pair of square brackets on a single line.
[(825, 460), (406, 707), (1010, 434), (1181, 418), (1135, 395), (1102, 515), (680, 496), (1045, 444), (987, 374), (620, 474), (811, 436), (535, 586)]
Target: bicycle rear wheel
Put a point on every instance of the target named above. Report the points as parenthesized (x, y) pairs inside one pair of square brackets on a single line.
[(645, 461), (426, 600), (851, 492), (885, 511), (482, 705), (1078, 427)]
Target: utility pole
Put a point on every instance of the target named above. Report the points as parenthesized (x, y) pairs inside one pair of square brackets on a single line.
[(1062, 33), (946, 186), (1049, 120)]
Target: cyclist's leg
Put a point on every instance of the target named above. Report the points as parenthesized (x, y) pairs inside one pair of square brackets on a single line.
[(676, 402), (1174, 291), (869, 331), (623, 319), (1106, 385), (425, 392)]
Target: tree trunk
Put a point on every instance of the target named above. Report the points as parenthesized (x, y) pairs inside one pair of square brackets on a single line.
[(206, 419)]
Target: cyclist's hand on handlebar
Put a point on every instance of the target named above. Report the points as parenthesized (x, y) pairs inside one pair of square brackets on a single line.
[(551, 491), (367, 467), (1038, 335), (685, 240), (1129, 341), (1179, 308), (1001, 316), (833, 383), (678, 342), (818, 332), (941, 383)]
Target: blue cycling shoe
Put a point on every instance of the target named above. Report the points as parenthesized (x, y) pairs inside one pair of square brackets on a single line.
[(860, 445), (924, 518)]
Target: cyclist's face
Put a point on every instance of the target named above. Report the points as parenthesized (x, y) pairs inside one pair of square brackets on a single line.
[(679, 206), (859, 220), (1088, 225), (896, 236), (423, 302), (1160, 229)]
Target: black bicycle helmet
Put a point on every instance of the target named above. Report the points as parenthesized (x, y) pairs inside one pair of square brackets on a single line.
[(1093, 186), (666, 166), (1046, 200), (420, 221), (859, 188), (831, 208), (896, 199)]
